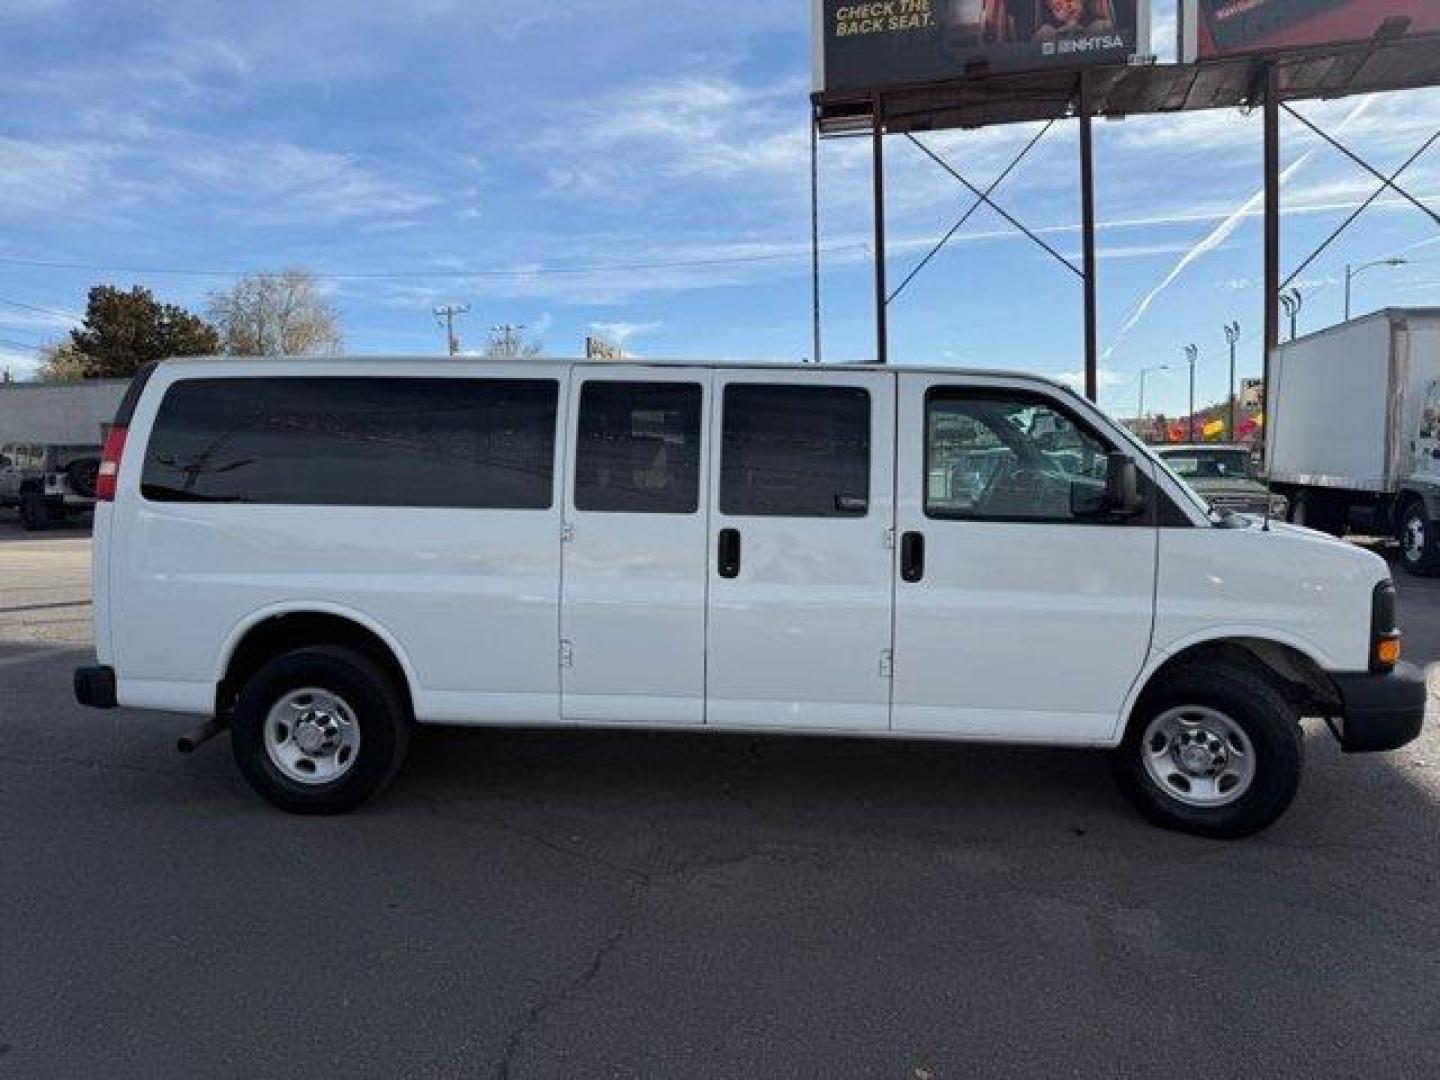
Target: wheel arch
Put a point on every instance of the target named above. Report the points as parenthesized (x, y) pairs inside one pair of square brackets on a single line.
[(277, 629), (1296, 667)]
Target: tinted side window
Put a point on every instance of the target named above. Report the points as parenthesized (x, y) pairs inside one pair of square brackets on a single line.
[(795, 451), (639, 448), (998, 457), (476, 443)]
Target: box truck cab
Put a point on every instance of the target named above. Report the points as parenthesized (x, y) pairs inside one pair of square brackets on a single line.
[(320, 554)]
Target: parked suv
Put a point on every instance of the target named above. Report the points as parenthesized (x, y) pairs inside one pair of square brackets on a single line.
[(48, 483), (1224, 476), (318, 554)]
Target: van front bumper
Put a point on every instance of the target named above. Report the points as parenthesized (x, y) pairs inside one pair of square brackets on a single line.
[(95, 686), (1380, 711)]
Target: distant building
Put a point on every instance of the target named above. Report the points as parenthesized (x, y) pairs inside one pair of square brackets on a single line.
[(59, 414), (600, 349)]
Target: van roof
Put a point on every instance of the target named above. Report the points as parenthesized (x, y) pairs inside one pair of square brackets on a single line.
[(251, 363)]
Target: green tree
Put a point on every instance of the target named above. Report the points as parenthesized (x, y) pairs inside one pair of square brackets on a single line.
[(123, 331)]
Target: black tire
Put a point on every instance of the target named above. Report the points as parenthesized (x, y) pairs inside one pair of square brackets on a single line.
[(379, 711), (1267, 719), (1419, 543), (34, 514)]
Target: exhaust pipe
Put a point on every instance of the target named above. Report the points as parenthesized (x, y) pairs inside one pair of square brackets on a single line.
[(193, 739)]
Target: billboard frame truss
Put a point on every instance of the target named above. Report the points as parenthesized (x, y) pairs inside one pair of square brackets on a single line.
[(1269, 82)]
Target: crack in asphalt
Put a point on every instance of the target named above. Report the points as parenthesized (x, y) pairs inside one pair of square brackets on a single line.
[(535, 1015)]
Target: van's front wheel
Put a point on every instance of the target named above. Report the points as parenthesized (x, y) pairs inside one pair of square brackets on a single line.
[(319, 730), (1214, 750)]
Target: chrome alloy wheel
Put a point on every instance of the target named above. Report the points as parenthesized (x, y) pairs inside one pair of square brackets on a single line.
[(1412, 539), (311, 736), (1199, 756)]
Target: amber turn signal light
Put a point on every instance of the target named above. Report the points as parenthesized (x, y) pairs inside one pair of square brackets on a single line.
[(1387, 651)]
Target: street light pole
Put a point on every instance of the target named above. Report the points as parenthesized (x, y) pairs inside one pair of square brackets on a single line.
[(1232, 337), (1292, 302), (1140, 415), (1192, 353), (1351, 275)]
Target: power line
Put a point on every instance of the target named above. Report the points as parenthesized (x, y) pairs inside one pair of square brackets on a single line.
[(485, 272), (39, 310), (20, 345)]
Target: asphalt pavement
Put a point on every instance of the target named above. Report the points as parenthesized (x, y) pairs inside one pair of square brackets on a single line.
[(646, 905)]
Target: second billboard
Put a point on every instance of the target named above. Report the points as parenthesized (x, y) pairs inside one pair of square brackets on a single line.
[(1217, 28)]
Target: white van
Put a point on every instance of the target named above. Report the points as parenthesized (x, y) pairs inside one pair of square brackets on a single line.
[(320, 553)]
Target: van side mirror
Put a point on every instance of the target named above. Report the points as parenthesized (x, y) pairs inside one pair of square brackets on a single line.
[(1120, 495), (1122, 485)]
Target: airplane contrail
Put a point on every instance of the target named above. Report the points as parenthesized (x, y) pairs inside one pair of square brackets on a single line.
[(1221, 233)]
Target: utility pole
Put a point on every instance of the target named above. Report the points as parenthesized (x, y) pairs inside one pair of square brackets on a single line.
[(1293, 302), (1192, 353), (445, 315), (505, 339), (1232, 336)]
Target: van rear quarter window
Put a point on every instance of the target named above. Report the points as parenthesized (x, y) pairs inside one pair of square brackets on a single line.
[(458, 443)]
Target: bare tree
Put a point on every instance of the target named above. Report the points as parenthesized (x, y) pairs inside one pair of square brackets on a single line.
[(507, 343), (64, 363), (280, 314)]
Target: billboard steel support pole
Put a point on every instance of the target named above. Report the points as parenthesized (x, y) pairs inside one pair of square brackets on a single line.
[(1272, 238), (878, 162), (815, 234), (1087, 205)]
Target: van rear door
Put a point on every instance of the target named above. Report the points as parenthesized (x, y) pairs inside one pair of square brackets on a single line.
[(636, 506)]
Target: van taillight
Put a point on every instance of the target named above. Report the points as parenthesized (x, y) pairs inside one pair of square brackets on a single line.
[(110, 464)]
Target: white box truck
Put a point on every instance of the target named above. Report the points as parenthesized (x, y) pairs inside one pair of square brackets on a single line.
[(1355, 430)]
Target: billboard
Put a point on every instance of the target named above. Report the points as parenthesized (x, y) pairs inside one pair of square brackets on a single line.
[(1216, 28), (863, 45)]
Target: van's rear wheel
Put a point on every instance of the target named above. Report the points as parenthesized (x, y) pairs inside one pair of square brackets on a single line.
[(320, 730), (1214, 750)]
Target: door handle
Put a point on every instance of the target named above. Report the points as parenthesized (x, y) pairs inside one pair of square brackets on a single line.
[(728, 558), (912, 557)]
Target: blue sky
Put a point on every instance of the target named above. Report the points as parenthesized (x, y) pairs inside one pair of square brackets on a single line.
[(516, 155)]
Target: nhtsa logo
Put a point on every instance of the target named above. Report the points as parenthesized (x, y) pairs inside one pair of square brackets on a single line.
[(1098, 43)]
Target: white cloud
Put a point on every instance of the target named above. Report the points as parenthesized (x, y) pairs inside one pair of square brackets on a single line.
[(1107, 378), (620, 333), (265, 180), (43, 176), (693, 127)]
